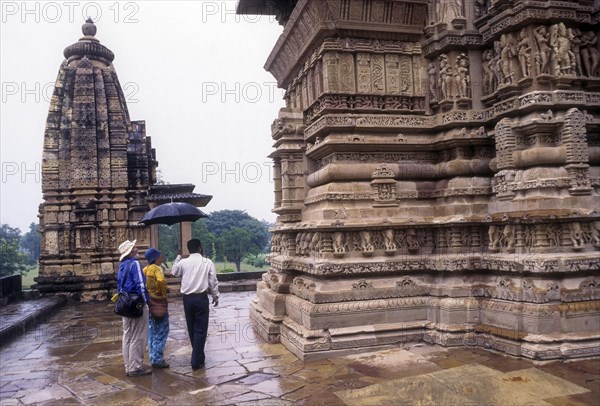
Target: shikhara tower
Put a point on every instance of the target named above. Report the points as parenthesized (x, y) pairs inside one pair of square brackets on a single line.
[(97, 168), (437, 176)]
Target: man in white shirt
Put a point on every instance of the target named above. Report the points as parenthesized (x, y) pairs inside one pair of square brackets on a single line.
[(198, 279)]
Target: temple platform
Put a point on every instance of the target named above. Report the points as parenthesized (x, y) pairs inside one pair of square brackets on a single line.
[(74, 358)]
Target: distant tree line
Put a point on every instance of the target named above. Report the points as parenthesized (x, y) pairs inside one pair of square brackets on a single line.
[(226, 235), (18, 252)]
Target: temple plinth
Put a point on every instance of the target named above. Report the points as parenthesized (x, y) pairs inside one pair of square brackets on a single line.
[(437, 177)]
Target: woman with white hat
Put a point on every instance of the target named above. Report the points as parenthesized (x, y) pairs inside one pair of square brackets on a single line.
[(131, 279)]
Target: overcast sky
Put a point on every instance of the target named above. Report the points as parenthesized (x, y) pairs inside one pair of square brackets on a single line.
[(192, 69)]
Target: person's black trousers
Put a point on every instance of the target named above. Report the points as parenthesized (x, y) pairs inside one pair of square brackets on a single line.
[(195, 307)]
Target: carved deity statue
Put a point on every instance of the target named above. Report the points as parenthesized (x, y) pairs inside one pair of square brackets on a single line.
[(365, 243), (494, 237), (448, 10), (388, 236), (496, 63), (542, 56), (524, 52), (445, 77), (590, 56), (508, 236), (432, 76), (575, 37), (461, 76), (553, 234), (507, 54), (489, 77), (481, 8), (595, 232), (412, 241), (562, 56), (576, 235), (338, 243)]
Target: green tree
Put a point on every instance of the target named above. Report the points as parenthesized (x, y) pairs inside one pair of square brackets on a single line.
[(236, 244), (257, 260), (223, 220), (31, 243), (12, 260), (168, 240), (200, 231)]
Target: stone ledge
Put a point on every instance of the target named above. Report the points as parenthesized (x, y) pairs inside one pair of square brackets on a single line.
[(19, 317)]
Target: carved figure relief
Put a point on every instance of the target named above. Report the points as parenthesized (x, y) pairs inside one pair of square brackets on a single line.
[(590, 56), (100, 237), (339, 248), (563, 59), (575, 37), (366, 244), (595, 232), (508, 52), (384, 191), (494, 238), (445, 78), (448, 10), (112, 236), (553, 234), (433, 80), (389, 244), (508, 236), (489, 76), (85, 237), (462, 79), (542, 56), (412, 241), (481, 7), (524, 52), (496, 64), (576, 235)]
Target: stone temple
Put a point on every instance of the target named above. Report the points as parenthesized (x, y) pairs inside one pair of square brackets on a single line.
[(437, 176), (98, 177)]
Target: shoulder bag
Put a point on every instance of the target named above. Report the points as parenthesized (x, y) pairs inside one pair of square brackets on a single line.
[(129, 304)]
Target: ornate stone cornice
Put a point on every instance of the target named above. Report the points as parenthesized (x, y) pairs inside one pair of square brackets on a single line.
[(451, 40), (314, 20)]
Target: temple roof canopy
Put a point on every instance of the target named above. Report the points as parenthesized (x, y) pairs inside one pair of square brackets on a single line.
[(178, 193)]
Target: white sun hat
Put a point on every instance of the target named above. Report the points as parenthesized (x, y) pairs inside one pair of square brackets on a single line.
[(125, 248)]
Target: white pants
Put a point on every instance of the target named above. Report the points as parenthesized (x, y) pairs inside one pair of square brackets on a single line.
[(135, 338)]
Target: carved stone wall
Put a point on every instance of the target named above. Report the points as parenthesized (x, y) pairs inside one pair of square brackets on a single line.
[(437, 177), (97, 166)]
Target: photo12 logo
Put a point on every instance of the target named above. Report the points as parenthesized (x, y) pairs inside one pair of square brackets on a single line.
[(238, 172), (227, 12), (68, 11), (37, 92), (250, 92), (22, 172)]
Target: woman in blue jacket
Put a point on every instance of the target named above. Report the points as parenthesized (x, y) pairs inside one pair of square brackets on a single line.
[(131, 279)]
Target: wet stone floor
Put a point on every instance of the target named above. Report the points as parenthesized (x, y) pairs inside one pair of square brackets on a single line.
[(75, 359)]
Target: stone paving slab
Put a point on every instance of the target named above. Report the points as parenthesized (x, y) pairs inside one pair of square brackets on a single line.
[(74, 358)]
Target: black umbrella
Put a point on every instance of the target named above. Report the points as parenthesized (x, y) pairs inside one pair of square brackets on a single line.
[(171, 213)]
